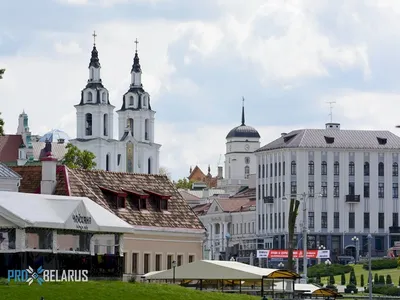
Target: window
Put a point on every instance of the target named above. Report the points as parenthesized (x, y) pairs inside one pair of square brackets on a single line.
[(179, 260), (311, 219), (275, 191), (169, 261), (134, 263), (108, 162), (324, 168), (293, 168), (311, 168), (259, 171), (336, 189), (284, 220), (283, 188), (149, 165), (381, 220), (352, 220), (144, 101), (366, 168), (270, 170), (276, 169), (366, 189), (246, 171), (105, 124), (395, 190), (89, 97), (263, 171), (395, 219), (311, 188), (191, 258), (109, 247), (158, 262), (381, 190), (324, 220), (275, 220), (324, 189), (131, 125), (146, 263), (88, 124), (279, 169), (266, 170), (104, 97), (146, 130), (336, 220), (351, 188), (336, 168), (283, 168), (381, 169), (351, 169), (395, 169), (96, 247), (131, 101), (293, 188), (366, 220)]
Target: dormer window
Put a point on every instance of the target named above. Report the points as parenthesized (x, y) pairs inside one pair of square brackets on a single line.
[(137, 199), (381, 141), (329, 139), (160, 200), (116, 199)]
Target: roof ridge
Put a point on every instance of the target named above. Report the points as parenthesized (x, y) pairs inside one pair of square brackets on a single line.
[(118, 172)]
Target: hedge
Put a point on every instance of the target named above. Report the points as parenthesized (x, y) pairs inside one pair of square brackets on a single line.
[(385, 290), (334, 269), (380, 264)]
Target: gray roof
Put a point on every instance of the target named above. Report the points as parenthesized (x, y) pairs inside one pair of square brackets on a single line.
[(6, 172), (57, 149), (335, 139)]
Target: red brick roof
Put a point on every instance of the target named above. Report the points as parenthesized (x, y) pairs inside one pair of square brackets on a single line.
[(9, 147), (85, 183)]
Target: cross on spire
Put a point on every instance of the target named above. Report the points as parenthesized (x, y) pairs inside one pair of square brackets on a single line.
[(94, 38), (331, 108), (243, 123), (136, 42)]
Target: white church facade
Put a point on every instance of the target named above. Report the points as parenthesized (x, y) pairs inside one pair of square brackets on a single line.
[(134, 151)]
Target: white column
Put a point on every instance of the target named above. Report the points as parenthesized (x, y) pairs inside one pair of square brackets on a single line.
[(221, 237), (20, 239), (121, 245), (55, 247), (225, 232)]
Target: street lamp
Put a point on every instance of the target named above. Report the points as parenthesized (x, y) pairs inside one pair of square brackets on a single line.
[(356, 240), (173, 271), (369, 266), (327, 264), (321, 247), (281, 265)]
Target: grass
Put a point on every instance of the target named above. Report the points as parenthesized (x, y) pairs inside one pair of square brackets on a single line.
[(358, 270), (108, 290)]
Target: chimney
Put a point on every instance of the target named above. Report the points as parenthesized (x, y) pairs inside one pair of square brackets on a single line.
[(49, 165), (332, 125), (219, 171)]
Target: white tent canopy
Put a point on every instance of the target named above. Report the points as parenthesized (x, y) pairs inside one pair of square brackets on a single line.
[(220, 270), (309, 289), (58, 212)]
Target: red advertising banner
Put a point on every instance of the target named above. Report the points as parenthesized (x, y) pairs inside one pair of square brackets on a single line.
[(296, 253)]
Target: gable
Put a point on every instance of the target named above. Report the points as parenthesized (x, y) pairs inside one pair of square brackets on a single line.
[(5, 223), (197, 175), (215, 208)]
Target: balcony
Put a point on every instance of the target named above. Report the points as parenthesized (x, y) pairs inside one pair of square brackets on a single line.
[(394, 229), (352, 198), (269, 200)]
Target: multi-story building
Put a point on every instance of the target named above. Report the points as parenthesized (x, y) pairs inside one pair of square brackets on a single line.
[(350, 178)]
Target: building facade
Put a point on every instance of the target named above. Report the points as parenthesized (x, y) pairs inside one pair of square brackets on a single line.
[(134, 151), (350, 178)]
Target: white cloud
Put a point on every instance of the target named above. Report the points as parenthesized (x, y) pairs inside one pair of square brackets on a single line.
[(71, 47), (107, 3)]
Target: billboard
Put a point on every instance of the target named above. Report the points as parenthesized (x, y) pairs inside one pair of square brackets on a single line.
[(296, 253)]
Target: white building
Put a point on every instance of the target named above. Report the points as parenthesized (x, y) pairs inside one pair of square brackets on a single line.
[(135, 150), (351, 177), (9, 180), (240, 160)]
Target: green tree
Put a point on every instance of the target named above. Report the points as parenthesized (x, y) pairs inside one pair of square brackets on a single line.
[(362, 280), (2, 73), (331, 280), (343, 279), (75, 158), (164, 171), (353, 278), (293, 212), (183, 183), (1, 125), (376, 278), (388, 279), (382, 279)]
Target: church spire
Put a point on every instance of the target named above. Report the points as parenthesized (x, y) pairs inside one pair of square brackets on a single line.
[(94, 59), (136, 65), (243, 123)]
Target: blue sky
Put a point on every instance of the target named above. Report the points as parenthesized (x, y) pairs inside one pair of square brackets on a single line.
[(199, 57)]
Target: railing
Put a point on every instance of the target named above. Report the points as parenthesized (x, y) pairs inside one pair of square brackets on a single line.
[(352, 198)]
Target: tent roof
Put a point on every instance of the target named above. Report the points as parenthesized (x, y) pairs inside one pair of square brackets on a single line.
[(58, 212), (312, 289), (218, 269)]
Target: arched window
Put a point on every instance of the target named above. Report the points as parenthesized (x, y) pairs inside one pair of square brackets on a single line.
[(381, 169), (105, 124), (149, 165), (246, 171), (131, 126), (88, 124), (366, 168), (324, 168), (89, 97), (336, 168), (293, 168), (104, 97), (259, 171), (351, 169), (311, 168), (395, 171), (131, 101), (108, 162), (146, 130), (144, 101)]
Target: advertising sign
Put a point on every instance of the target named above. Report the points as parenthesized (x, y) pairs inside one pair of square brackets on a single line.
[(296, 253)]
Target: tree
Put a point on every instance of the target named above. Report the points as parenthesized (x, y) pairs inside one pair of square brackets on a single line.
[(75, 158), (293, 211), (353, 278), (343, 279), (164, 171), (362, 280), (331, 280), (1, 126), (388, 280), (183, 183), (2, 73), (376, 278)]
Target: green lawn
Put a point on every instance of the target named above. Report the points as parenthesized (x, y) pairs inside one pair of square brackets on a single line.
[(358, 270), (108, 290)]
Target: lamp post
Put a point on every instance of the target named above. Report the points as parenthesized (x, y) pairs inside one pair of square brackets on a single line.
[(173, 271), (356, 241), (321, 247), (369, 266), (281, 265), (327, 264)]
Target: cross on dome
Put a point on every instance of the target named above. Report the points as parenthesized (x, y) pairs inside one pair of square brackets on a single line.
[(94, 37), (136, 42)]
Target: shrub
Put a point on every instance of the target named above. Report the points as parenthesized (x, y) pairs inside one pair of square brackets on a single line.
[(343, 279), (389, 280), (362, 280), (331, 280), (381, 279), (324, 271), (385, 290), (351, 288), (353, 279), (376, 279), (380, 264), (318, 279), (399, 280)]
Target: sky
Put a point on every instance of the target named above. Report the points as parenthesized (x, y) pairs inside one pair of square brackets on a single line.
[(288, 59)]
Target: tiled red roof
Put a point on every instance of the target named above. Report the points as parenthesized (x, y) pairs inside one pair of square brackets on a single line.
[(9, 147), (246, 193), (201, 209), (85, 183)]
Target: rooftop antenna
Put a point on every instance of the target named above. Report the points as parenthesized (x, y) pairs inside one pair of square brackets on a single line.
[(331, 109)]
